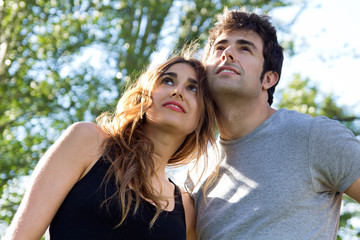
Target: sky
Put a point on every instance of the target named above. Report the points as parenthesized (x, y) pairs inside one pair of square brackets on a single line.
[(327, 46)]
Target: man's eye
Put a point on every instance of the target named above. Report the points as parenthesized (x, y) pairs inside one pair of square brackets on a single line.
[(219, 48), (245, 49)]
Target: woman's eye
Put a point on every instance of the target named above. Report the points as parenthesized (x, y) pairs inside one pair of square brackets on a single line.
[(192, 88), (167, 81)]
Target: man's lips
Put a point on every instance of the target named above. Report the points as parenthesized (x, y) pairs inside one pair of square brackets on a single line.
[(227, 70), (174, 106)]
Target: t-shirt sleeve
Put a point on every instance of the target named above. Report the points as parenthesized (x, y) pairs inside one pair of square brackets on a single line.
[(334, 155)]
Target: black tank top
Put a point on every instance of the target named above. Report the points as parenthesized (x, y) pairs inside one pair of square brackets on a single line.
[(82, 215)]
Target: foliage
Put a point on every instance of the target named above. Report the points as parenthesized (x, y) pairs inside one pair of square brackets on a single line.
[(301, 96), (350, 211)]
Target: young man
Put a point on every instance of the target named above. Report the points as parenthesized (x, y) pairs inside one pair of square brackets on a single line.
[(282, 173)]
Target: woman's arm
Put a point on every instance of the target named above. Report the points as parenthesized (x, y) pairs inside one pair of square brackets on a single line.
[(58, 170), (190, 216)]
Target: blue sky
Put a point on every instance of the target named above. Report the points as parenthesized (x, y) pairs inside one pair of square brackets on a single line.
[(327, 43)]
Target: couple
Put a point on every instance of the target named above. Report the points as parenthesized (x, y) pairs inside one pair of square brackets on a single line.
[(282, 173)]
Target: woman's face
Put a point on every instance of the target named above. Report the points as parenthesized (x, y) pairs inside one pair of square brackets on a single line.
[(175, 104)]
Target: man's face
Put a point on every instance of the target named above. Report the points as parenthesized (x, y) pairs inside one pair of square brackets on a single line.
[(235, 64)]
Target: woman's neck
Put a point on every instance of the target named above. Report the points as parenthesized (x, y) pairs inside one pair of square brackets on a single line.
[(166, 143)]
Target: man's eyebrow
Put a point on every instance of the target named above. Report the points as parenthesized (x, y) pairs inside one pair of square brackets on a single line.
[(238, 42), (224, 41), (246, 42)]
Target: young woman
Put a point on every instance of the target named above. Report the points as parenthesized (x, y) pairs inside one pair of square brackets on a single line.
[(107, 181)]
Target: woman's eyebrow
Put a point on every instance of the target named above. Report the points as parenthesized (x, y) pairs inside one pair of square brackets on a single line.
[(193, 81), (172, 74)]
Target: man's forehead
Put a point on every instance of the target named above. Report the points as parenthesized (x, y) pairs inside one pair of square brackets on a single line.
[(237, 35)]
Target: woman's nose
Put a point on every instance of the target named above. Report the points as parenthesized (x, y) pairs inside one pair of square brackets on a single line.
[(177, 92)]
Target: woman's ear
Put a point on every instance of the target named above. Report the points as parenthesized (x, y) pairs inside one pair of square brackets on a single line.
[(270, 79)]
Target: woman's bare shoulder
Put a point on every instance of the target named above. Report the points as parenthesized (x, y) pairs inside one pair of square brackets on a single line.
[(84, 139), (86, 132)]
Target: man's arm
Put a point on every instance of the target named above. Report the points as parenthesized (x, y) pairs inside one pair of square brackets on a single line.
[(354, 190)]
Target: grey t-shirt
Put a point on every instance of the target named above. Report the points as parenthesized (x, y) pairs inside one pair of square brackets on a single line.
[(284, 180)]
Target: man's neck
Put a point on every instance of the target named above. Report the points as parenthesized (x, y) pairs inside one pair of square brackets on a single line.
[(236, 119)]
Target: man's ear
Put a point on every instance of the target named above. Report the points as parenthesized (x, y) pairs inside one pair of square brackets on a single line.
[(270, 79)]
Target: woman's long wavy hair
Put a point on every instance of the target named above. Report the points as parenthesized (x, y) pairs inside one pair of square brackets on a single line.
[(130, 151)]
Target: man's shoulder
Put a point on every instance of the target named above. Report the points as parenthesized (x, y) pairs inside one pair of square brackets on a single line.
[(294, 117), (316, 127), (288, 113)]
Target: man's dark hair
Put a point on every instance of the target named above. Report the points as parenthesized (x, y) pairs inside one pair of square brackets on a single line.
[(239, 20)]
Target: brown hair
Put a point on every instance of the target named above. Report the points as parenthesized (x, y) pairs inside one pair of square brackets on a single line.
[(238, 20), (130, 151)]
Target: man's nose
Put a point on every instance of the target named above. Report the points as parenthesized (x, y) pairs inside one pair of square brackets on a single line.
[(227, 54)]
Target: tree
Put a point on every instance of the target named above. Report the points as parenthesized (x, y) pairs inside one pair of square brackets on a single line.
[(47, 80), (302, 96)]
